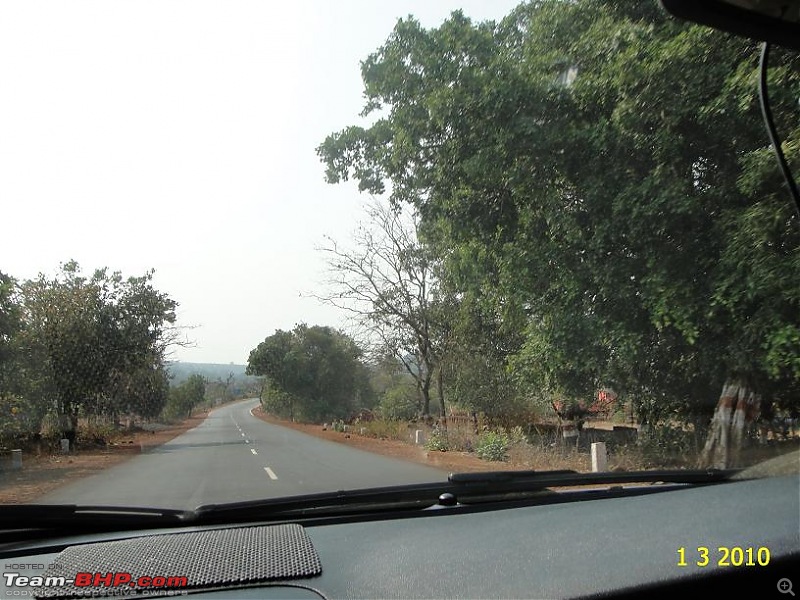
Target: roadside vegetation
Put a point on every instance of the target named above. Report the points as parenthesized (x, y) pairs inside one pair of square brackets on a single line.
[(560, 211), (83, 358), (552, 239), (83, 349)]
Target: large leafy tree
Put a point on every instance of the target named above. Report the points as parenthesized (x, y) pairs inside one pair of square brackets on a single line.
[(276, 361), (143, 391), (183, 399), (16, 414), (10, 325), (89, 340), (313, 373), (595, 175)]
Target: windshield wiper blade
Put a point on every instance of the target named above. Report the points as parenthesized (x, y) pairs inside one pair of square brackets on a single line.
[(67, 516), (568, 478), (419, 495), (466, 487)]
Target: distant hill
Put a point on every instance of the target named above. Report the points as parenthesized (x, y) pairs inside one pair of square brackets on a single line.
[(181, 371)]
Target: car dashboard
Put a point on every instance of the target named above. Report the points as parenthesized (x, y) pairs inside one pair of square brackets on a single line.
[(694, 538)]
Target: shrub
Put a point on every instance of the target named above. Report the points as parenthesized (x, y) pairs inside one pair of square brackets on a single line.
[(437, 440), (399, 403), (667, 445), (493, 445), (51, 432), (338, 425), (385, 429), (20, 421), (461, 439), (516, 435), (95, 432)]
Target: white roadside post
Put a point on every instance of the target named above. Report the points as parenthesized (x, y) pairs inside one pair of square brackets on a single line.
[(16, 460), (64, 446), (599, 458), (419, 437)]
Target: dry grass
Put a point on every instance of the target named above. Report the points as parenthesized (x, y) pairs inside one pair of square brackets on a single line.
[(396, 439), (545, 452), (384, 430), (44, 473), (526, 456)]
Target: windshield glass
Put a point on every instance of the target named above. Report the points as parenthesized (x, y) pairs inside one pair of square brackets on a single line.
[(254, 250)]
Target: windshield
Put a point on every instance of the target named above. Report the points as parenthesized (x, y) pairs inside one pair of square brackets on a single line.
[(255, 250)]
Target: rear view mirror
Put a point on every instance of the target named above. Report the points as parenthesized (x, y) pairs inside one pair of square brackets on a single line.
[(776, 21)]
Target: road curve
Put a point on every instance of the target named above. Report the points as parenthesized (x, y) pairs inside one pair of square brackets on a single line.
[(235, 456)]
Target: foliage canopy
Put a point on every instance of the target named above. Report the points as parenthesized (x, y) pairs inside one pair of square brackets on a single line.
[(594, 181)]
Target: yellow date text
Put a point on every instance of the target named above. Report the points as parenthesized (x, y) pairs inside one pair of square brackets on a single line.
[(723, 556)]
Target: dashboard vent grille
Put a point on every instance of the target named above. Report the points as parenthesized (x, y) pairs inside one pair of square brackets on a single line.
[(206, 559)]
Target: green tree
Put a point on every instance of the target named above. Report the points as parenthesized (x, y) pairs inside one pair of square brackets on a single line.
[(184, 398), (19, 418), (10, 326), (142, 392), (274, 358), (477, 373), (83, 336), (313, 373), (574, 168), (395, 389)]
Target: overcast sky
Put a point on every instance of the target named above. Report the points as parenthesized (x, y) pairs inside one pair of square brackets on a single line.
[(181, 136)]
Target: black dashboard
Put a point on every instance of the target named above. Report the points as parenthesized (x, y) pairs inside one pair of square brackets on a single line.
[(711, 538)]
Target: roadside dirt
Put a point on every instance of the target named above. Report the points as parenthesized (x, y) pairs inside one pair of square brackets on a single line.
[(44, 473), (48, 471), (448, 461)]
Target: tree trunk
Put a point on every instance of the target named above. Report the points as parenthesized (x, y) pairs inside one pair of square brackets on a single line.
[(738, 407), (440, 391), (424, 389)]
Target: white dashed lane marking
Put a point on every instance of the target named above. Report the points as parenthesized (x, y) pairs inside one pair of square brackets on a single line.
[(271, 473), (253, 450)]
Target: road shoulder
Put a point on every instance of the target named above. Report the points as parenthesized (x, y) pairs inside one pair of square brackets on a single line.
[(448, 461), (46, 472)]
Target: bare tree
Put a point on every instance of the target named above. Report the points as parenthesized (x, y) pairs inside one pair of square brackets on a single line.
[(386, 283)]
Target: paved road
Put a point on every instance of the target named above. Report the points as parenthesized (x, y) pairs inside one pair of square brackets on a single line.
[(234, 456)]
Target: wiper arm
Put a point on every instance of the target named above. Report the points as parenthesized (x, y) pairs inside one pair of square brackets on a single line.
[(67, 516), (568, 478), (466, 487), (408, 496)]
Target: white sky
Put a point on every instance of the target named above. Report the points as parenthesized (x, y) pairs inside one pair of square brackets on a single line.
[(181, 136)]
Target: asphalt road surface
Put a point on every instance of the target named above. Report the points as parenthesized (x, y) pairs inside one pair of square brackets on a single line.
[(235, 456)]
